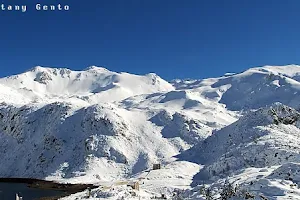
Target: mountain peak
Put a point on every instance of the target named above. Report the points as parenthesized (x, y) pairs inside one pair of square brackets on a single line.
[(54, 70), (96, 68), (36, 69)]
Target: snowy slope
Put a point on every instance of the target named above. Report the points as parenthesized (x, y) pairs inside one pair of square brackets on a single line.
[(109, 128), (81, 123), (254, 152), (251, 89), (266, 137)]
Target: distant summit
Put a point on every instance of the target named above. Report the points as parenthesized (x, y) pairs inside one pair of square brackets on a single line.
[(96, 68), (44, 82)]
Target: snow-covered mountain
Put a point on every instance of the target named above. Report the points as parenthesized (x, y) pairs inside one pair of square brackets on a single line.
[(108, 128), (95, 84), (251, 89)]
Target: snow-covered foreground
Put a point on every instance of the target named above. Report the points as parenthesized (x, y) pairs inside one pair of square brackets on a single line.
[(152, 183), (108, 128)]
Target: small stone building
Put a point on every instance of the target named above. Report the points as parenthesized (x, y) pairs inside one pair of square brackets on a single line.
[(156, 166), (134, 185)]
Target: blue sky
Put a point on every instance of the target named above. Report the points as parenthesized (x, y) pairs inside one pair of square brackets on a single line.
[(173, 38)]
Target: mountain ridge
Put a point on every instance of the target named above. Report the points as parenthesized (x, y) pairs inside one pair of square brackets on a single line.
[(99, 126)]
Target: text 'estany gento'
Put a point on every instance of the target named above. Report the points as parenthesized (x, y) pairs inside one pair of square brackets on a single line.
[(36, 7)]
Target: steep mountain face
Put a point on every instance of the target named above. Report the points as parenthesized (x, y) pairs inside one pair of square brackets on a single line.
[(258, 155), (60, 133), (266, 137), (78, 124), (96, 125)]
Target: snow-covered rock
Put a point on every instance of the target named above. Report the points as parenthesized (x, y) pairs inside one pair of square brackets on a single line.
[(261, 138)]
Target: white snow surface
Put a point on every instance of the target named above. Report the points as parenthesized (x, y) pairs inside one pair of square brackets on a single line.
[(108, 128)]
